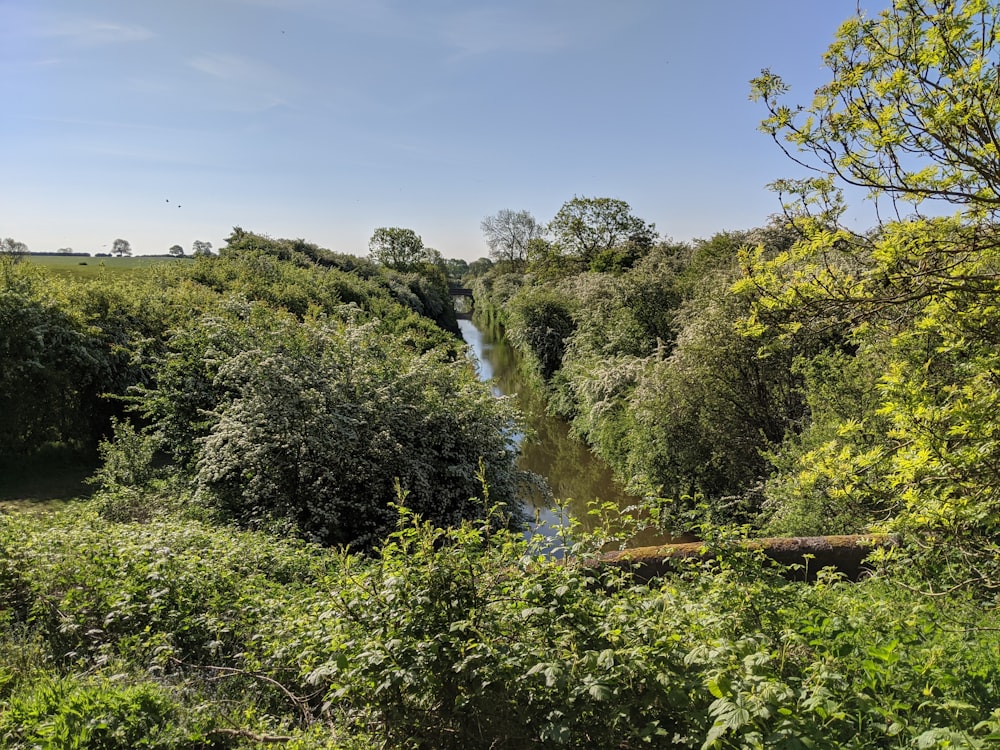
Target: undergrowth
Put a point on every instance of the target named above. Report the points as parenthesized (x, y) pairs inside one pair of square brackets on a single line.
[(184, 634)]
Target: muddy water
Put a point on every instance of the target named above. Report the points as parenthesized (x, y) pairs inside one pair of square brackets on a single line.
[(573, 473)]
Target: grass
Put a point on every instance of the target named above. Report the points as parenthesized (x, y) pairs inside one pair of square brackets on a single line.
[(76, 265), (46, 480)]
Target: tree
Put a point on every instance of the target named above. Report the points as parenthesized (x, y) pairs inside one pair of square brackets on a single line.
[(911, 114), (50, 366), (913, 110), (199, 248), (398, 248), (176, 250), (121, 247), (456, 268), (13, 248), (586, 227), (316, 422), (480, 266), (509, 234), (540, 322), (65, 251)]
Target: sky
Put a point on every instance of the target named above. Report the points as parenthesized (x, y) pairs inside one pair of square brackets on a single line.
[(163, 122)]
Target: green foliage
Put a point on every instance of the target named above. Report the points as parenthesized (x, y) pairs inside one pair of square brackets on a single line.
[(910, 114), (843, 427), (539, 322), (601, 231), (446, 641), (397, 248), (50, 361), (313, 416), (911, 111), (654, 372), (94, 713), (174, 634), (154, 358)]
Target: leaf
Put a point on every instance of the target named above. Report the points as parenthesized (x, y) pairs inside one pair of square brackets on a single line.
[(599, 692)]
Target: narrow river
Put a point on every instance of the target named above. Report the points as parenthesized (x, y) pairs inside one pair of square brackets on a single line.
[(573, 473)]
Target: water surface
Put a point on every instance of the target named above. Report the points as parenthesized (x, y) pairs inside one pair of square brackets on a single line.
[(574, 474)]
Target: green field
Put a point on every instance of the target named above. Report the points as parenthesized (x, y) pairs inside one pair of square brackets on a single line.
[(76, 265)]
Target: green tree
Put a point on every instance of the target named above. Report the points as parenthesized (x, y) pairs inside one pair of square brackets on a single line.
[(480, 266), (510, 233), (398, 248), (456, 268), (911, 114), (121, 248), (176, 250), (540, 322), (587, 227), (201, 248), (912, 111)]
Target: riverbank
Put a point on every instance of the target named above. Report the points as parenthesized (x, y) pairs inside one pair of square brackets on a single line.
[(577, 480)]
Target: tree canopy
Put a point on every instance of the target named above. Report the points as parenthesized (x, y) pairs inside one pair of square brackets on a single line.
[(912, 110), (397, 247), (911, 114), (586, 227), (509, 234)]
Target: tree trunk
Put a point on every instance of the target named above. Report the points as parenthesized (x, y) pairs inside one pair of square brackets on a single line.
[(846, 554)]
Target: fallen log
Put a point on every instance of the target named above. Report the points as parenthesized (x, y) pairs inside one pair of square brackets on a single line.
[(845, 553)]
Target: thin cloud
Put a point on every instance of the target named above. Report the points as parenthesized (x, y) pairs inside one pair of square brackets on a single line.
[(95, 33), (249, 84), (230, 67)]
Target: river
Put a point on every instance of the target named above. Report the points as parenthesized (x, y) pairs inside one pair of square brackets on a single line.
[(574, 474)]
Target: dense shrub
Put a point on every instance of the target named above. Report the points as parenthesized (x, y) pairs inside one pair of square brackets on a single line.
[(466, 637), (50, 362), (319, 424), (539, 322)]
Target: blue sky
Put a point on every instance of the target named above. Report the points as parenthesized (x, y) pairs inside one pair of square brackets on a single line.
[(164, 122)]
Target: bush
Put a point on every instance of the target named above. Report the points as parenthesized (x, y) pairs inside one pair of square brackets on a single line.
[(321, 422), (539, 324)]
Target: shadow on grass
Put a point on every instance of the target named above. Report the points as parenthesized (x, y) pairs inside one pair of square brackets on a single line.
[(52, 475)]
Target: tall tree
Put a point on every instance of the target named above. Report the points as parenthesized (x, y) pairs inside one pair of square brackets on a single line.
[(121, 247), (397, 247), (200, 247), (176, 250), (509, 234), (586, 227)]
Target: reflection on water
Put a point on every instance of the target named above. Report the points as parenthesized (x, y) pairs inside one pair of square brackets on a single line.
[(573, 473)]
